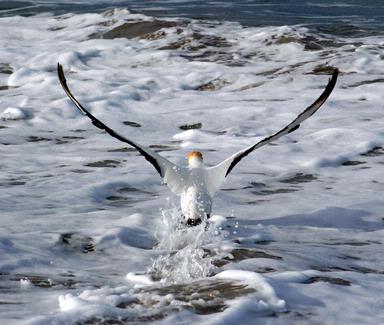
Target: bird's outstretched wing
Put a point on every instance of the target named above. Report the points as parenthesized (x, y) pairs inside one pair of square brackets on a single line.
[(216, 174), (172, 174)]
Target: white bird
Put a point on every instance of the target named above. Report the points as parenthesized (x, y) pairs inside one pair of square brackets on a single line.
[(196, 184)]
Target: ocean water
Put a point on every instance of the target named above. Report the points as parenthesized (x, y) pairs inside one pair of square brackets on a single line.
[(350, 16), (90, 235)]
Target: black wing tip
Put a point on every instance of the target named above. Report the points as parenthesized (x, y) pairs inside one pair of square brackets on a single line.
[(60, 71), (328, 89), (61, 75), (333, 79), (63, 82), (294, 128)]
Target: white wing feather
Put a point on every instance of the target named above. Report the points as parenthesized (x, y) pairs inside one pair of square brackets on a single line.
[(215, 175), (174, 176)]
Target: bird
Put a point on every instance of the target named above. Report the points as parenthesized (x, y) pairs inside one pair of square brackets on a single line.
[(196, 184)]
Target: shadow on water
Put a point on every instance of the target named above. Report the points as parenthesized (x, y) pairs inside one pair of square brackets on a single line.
[(331, 217)]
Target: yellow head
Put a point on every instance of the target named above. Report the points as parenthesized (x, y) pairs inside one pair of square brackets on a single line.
[(195, 158)]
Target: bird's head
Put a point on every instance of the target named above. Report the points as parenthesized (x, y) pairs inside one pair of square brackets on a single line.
[(195, 158)]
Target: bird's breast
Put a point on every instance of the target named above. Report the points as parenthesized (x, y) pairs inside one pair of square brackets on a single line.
[(196, 202)]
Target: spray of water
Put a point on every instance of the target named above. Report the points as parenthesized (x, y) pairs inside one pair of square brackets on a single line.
[(189, 252)]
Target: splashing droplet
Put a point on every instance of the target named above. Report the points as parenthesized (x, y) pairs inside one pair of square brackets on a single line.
[(187, 249)]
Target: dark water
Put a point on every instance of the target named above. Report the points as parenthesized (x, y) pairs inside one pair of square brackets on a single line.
[(346, 17)]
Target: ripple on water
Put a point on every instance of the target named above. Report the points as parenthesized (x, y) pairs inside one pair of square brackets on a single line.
[(239, 254), (377, 151), (76, 242), (299, 178), (107, 163), (132, 124), (143, 29), (128, 195), (191, 126)]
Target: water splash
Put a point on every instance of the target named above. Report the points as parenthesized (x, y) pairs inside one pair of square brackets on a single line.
[(189, 251)]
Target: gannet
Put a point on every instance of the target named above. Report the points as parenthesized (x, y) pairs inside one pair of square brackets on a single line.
[(196, 184)]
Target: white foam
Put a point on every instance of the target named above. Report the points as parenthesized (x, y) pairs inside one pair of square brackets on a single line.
[(81, 210), (139, 279), (25, 283), (13, 113)]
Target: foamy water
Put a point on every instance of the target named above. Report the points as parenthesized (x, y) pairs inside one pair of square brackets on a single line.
[(90, 234)]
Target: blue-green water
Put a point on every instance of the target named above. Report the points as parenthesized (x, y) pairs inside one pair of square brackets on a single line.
[(348, 17)]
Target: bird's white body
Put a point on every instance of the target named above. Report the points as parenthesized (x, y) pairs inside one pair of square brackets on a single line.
[(195, 198)]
